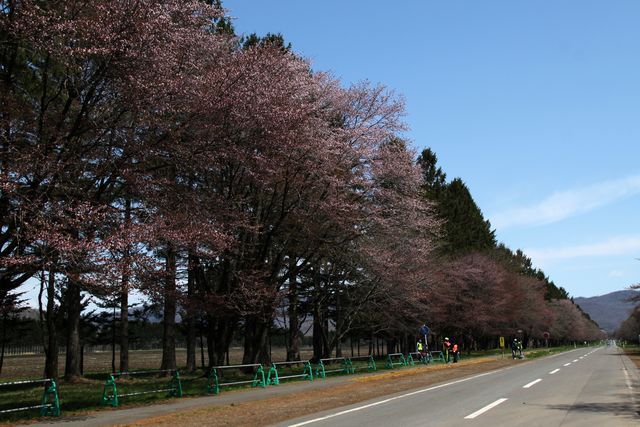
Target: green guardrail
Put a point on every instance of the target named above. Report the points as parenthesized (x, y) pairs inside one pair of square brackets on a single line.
[(371, 363), (50, 402), (215, 378), (417, 357), (111, 396), (395, 359), (274, 377), (346, 367), (437, 356)]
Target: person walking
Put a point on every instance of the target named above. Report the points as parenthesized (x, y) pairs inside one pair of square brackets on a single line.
[(446, 346)]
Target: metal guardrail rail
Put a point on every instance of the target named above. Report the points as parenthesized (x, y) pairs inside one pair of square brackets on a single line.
[(371, 363), (215, 374), (111, 396), (395, 359), (274, 377), (50, 402), (346, 366)]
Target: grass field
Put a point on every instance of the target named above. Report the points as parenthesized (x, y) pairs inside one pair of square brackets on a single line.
[(32, 366)]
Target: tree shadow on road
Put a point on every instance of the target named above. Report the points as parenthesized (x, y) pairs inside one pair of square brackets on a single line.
[(625, 407)]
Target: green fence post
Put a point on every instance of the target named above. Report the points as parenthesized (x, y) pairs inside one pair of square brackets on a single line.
[(320, 373), (213, 386), (110, 392), (371, 363), (389, 363), (308, 371), (410, 360), (258, 378), (403, 360), (175, 385), (50, 401), (346, 369), (273, 371)]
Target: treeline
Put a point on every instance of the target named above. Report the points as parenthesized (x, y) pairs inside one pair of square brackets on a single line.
[(147, 148), (629, 330)]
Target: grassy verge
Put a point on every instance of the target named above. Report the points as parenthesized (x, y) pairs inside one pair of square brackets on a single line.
[(633, 352), (86, 394)]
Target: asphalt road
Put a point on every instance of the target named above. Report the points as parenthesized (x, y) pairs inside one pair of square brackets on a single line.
[(584, 387)]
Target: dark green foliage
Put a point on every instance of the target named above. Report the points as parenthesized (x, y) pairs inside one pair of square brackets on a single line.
[(270, 40), (432, 175), (519, 262), (465, 229)]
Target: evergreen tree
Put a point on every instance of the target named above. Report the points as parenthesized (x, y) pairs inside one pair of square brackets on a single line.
[(434, 179), (520, 263), (465, 229)]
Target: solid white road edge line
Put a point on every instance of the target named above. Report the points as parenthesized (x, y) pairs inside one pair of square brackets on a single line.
[(485, 409), (532, 383), (554, 371), (380, 402)]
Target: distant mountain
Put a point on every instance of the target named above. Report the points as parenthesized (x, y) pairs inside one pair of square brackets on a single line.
[(609, 310)]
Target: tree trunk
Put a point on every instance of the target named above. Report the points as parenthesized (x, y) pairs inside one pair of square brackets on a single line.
[(124, 301), (202, 351), (255, 341), (113, 341), (4, 341), (293, 344), (338, 326), (194, 265), (74, 308), (321, 347), (226, 327), (51, 354), (169, 317), (391, 346), (124, 325), (211, 345)]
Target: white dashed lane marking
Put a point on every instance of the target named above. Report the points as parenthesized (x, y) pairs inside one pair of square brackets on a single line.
[(532, 383), (485, 409), (554, 371)]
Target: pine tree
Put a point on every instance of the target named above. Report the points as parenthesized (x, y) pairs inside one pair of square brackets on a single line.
[(465, 228)]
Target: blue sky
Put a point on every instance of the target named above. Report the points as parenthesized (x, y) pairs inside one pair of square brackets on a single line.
[(534, 104)]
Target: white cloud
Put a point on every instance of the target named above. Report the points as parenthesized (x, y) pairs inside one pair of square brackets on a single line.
[(621, 245), (568, 203)]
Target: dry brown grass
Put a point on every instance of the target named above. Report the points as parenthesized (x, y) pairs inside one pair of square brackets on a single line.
[(32, 366), (281, 408), (634, 355)]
